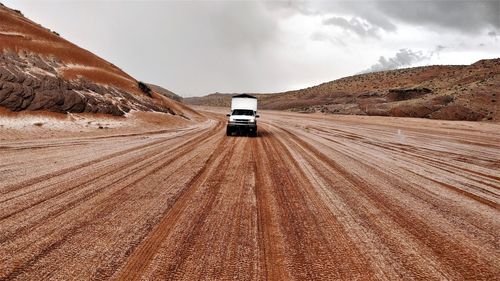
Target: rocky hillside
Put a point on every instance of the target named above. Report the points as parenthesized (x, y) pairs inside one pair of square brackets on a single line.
[(461, 92), (39, 70), (162, 91)]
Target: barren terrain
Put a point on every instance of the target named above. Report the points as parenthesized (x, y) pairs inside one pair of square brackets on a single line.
[(313, 197), (445, 92)]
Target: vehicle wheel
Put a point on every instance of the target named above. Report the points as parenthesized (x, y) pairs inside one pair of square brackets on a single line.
[(228, 132)]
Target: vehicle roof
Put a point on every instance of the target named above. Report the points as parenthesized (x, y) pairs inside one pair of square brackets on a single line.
[(244, 96)]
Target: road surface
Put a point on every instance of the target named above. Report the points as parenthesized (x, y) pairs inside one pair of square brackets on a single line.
[(312, 197)]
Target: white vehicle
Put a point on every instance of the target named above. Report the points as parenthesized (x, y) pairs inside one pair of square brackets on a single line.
[(242, 119)]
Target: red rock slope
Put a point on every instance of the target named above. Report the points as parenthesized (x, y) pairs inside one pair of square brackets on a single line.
[(39, 70)]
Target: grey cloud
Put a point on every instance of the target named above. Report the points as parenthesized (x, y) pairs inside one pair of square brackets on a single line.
[(466, 16), (382, 22), (403, 58), (439, 48), (319, 36), (437, 51), (356, 25), (288, 8), (366, 10), (492, 34)]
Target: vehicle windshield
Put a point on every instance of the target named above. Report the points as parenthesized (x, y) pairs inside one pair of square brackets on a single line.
[(243, 112)]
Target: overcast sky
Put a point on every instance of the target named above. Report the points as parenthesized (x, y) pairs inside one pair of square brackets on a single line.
[(199, 47)]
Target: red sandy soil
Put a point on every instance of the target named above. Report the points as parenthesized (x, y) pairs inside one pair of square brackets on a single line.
[(459, 92), (313, 197)]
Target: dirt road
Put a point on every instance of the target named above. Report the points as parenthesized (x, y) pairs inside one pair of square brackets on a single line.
[(311, 198)]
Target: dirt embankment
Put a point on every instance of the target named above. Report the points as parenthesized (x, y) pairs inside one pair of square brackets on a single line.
[(466, 92), (39, 70)]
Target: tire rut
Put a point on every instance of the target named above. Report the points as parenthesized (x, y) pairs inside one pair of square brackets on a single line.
[(140, 258)]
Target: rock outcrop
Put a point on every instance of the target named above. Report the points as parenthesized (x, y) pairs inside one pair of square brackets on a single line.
[(31, 82), (39, 70), (162, 91)]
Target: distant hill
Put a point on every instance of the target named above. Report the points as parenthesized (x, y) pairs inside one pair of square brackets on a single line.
[(39, 70), (457, 92), (162, 91)]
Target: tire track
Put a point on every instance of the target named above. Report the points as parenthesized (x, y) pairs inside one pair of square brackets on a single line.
[(411, 158), (145, 163), (183, 149), (141, 257), (311, 198), (85, 180), (69, 170), (304, 217), (440, 245)]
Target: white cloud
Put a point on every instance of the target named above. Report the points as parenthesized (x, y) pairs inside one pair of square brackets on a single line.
[(403, 58)]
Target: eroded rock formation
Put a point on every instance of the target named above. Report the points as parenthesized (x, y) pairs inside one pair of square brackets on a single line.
[(32, 82)]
